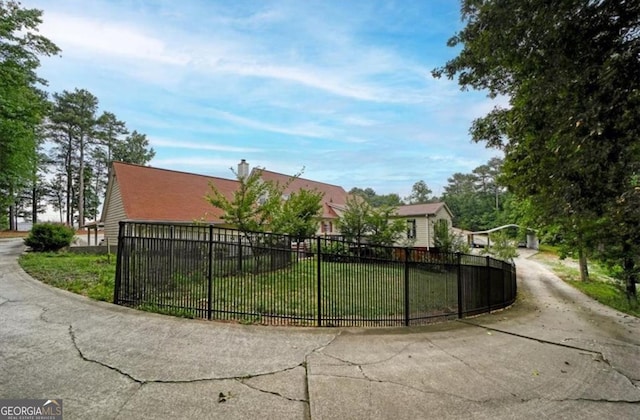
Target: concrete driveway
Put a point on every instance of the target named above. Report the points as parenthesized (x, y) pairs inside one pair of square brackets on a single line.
[(555, 354)]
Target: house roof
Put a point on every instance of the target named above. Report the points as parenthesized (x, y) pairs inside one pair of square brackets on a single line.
[(161, 194), (427, 209), (334, 195)]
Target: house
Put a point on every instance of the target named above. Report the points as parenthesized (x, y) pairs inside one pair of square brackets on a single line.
[(334, 197), (421, 219), (144, 193)]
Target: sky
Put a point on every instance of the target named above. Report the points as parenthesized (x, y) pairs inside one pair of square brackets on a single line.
[(341, 90)]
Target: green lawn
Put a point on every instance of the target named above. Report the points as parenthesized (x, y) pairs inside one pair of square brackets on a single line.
[(348, 290), (88, 275)]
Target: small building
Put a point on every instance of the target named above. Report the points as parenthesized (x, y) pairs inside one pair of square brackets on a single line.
[(421, 219)]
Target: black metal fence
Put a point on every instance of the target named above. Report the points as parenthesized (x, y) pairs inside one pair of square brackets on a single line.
[(208, 272)]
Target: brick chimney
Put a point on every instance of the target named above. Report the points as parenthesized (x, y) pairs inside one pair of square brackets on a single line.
[(243, 169)]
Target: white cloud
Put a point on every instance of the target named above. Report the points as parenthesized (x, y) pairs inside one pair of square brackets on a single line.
[(101, 37), (222, 53), (304, 130), (179, 144)]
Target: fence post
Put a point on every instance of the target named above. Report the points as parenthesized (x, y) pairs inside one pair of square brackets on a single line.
[(319, 273), (239, 252), (118, 285), (171, 250), (504, 282), (210, 273), (459, 259), (406, 287), (489, 283)]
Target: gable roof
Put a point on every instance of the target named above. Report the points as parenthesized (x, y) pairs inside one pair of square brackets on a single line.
[(334, 195), (165, 195), (427, 209)]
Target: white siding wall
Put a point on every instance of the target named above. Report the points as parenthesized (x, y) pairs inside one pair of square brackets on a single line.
[(115, 213), (425, 228), (421, 232)]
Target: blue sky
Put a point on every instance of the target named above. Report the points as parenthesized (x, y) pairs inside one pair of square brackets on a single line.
[(341, 88)]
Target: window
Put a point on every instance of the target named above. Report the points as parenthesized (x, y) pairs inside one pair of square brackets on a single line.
[(411, 228), (327, 227)]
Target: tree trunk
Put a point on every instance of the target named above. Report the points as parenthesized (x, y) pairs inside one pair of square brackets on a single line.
[(69, 188), (12, 217), (34, 205), (629, 266), (12, 210), (584, 269), (81, 185)]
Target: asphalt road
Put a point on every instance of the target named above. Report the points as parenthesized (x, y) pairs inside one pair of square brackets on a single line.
[(554, 354)]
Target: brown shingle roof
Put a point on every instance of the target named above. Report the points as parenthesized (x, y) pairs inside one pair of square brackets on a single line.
[(160, 194), (333, 194), (420, 209)]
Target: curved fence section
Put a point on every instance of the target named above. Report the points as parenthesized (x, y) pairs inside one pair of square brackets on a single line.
[(201, 271)]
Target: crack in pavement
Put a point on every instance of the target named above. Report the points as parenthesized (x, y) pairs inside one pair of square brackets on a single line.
[(7, 300), (420, 390), (239, 379), (168, 381), (583, 399), (539, 340), (86, 359), (272, 392), (396, 354), (598, 354), (306, 388), (399, 352), (366, 377), (472, 368), (124, 404)]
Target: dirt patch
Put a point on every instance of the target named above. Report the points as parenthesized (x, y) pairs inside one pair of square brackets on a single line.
[(12, 234), (551, 260)]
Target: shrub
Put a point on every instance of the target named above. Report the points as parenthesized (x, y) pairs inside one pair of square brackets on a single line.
[(45, 237), (501, 247)]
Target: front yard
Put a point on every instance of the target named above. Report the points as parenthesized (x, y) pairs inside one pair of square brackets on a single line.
[(348, 290)]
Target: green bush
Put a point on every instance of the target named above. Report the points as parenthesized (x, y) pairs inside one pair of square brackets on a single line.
[(45, 237)]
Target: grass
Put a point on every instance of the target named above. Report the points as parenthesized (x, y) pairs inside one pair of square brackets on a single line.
[(601, 286), (348, 290), (88, 275)]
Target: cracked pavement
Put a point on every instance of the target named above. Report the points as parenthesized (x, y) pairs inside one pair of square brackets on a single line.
[(555, 353)]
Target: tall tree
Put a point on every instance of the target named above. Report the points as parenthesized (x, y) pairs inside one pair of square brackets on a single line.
[(134, 149), (467, 205), (72, 128), (109, 132), (420, 193), (22, 103), (375, 199), (571, 71)]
